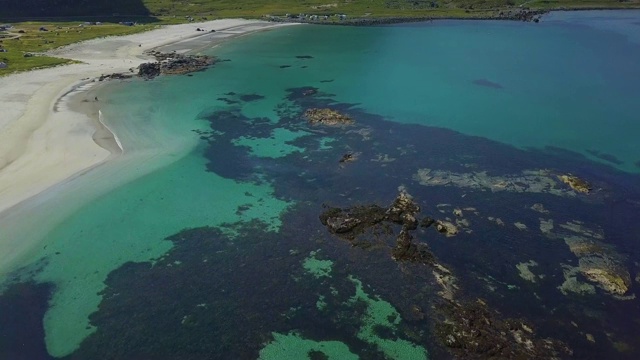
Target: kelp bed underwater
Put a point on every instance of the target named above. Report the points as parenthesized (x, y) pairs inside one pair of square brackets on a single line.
[(402, 242)]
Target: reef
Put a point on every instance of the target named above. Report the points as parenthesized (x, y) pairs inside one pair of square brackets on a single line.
[(327, 117), (598, 262), (174, 64), (473, 331), (576, 183), (528, 181)]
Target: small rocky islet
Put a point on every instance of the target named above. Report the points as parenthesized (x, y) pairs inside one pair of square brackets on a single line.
[(174, 64)]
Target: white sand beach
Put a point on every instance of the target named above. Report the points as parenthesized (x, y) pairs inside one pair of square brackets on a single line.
[(43, 143)]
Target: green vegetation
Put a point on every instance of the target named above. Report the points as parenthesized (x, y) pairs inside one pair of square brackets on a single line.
[(59, 13), (25, 41), (258, 8)]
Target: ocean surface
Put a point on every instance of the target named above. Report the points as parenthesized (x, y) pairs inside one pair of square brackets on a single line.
[(204, 240)]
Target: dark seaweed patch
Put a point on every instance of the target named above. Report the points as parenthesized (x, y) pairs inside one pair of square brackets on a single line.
[(487, 83), (251, 97), (227, 100)]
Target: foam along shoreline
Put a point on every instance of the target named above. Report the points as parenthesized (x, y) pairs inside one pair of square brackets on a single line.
[(50, 135)]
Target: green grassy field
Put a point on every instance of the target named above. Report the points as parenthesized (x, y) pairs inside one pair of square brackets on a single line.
[(63, 17), (34, 42)]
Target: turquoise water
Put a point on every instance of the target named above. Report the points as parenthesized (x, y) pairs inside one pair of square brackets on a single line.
[(570, 82)]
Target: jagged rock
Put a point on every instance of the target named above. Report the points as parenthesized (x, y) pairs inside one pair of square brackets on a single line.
[(426, 222), (407, 250), (149, 70), (326, 117), (352, 222), (349, 223), (403, 210)]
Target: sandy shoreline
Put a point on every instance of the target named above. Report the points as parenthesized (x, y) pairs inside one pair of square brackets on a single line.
[(50, 131)]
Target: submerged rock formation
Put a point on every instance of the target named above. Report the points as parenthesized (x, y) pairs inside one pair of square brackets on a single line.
[(446, 228), (472, 331), (598, 262), (528, 181), (327, 117), (576, 183)]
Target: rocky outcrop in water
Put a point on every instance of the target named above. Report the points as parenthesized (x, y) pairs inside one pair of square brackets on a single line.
[(327, 117), (174, 64), (351, 223), (576, 183)]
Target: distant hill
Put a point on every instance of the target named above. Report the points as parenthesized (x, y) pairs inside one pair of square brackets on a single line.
[(66, 8)]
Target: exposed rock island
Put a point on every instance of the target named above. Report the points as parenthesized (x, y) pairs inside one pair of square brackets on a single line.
[(174, 64)]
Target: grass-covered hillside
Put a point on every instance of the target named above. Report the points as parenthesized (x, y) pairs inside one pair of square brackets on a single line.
[(67, 21), (256, 8)]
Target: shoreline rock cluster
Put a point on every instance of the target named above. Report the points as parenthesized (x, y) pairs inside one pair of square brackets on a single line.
[(174, 64)]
